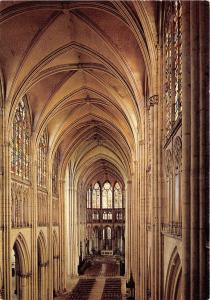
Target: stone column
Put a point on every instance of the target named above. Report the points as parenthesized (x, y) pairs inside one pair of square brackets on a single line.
[(62, 236), (128, 229), (34, 220), (152, 105), (194, 162), (49, 269), (203, 142), (25, 286), (6, 211), (142, 211), (186, 150)]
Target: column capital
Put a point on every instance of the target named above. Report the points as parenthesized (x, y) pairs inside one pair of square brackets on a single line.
[(45, 264), (151, 101), (24, 275)]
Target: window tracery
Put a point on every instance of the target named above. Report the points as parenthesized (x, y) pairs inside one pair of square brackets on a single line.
[(169, 183), (107, 195), (109, 212), (55, 211), (177, 149), (173, 64), (55, 167), (42, 209), (42, 160), (20, 205), (21, 131), (117, 196), (96, 196)]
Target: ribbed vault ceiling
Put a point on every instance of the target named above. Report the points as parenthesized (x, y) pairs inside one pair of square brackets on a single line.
[(82, 66)]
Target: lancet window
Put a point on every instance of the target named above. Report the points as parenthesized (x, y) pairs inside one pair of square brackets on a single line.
[(55, 172), (117, 196), (173, 63), (107, 195), (96, 196), (42, 160), (21, 131), (89, 198)]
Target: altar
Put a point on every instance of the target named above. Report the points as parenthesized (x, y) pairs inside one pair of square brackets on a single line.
[(107, 252)]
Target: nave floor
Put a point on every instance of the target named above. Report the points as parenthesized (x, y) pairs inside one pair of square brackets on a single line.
[(101, 281)]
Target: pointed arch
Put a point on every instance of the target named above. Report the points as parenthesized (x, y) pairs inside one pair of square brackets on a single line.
[(21, 249), (173, 278), (55, 244), (96, 196), (42, 266), (107, 195), (118, 201), (21, 268), (42, 247)]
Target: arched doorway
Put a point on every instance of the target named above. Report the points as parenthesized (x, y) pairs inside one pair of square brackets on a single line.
[(173, 279), (20, 270), (15, 275), (42, 267)]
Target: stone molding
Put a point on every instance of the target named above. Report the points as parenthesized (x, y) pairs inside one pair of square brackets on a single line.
[(45, 264), (24, 275), (151, 101)]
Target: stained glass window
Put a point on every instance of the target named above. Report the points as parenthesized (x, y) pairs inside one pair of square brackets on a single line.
[(173, 63), (42, 160), (21, 131), (96, 197), (168, 77), (107, 195), (117, 196), (55, 172), (178, 58)]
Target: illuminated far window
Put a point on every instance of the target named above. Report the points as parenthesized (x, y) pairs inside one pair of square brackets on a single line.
[(109, 215), (107, 195), (96, 196), (119, 216), (105, 216), (95, 216), (109, 233), (117, 196)]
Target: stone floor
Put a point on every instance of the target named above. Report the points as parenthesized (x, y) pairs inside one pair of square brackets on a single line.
[(100, 276)]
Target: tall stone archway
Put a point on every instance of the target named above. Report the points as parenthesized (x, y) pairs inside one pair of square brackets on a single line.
[(20, 270), (173, 279), (42, 267)]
